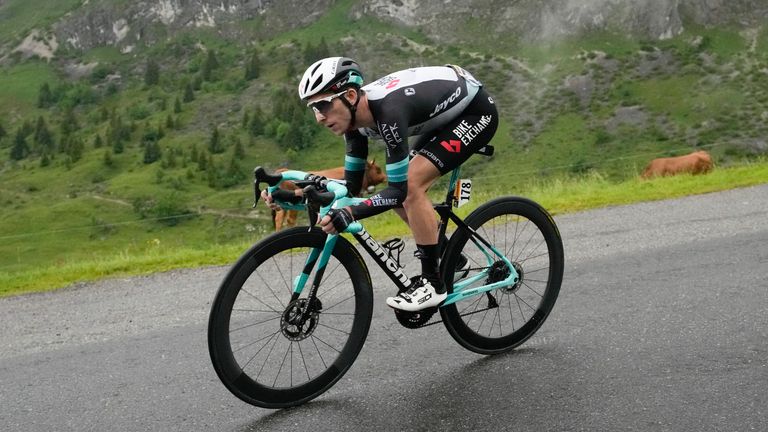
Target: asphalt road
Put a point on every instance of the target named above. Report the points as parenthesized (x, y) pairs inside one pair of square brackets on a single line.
[(661, 325)]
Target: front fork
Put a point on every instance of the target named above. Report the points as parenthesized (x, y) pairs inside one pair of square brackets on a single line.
[(319, 257)]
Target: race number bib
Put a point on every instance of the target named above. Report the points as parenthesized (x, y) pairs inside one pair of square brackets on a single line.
[(462, 192)]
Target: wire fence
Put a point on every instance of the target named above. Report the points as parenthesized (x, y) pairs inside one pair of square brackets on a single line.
[(221, 212)]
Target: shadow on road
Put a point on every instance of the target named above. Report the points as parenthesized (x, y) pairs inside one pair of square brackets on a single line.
[(453, 397)]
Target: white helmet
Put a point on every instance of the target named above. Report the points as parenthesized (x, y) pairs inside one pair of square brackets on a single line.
[(329, 74)]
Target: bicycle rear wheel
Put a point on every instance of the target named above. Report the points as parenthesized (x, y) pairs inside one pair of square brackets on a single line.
[(260, 350), (502, 319)]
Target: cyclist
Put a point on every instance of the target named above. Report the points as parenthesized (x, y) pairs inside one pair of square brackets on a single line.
[(449, 111)]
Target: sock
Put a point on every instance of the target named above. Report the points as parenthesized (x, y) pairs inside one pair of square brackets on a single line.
[(430, 267)]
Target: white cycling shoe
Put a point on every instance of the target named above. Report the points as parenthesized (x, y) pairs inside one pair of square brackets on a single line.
[(420, 296)]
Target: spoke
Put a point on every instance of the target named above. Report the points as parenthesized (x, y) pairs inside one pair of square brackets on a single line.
[(545, 253), (527, 243), (329, 308), (304, 360), (332, 288), (287, 285), (259, 300), (254, 324), (257, 352), (482, 321), (517, 300), (495, 316), (269, 287), (336, 313), (255, 342), (537, 270), (274, 344), (511, 318), (325, 343), (534, 291), (281, 365), (312, 338), (471, 304), (253, 310), (526, 303), (543, 241), (333, 328)]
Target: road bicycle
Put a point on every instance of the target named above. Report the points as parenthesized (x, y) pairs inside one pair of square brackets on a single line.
[(292, 314)]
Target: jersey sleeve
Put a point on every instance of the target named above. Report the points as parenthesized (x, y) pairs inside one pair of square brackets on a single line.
[(393, 129), (355, 161)]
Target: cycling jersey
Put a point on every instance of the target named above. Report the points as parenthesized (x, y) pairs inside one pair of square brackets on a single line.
[(418, 102)]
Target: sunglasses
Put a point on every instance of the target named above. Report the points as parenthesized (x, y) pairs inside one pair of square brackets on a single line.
[(323, 105)]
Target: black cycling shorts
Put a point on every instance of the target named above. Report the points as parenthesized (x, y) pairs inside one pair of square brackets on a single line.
[(452, 144)]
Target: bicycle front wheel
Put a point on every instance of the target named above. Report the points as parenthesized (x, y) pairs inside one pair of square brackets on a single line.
[(502, 319), (263, 349)]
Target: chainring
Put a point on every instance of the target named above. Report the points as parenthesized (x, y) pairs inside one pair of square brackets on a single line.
[(413, 320)]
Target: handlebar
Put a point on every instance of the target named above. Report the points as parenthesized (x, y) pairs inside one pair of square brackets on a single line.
[(320, 194)]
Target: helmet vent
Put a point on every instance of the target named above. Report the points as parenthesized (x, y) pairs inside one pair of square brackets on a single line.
[(317, 82)]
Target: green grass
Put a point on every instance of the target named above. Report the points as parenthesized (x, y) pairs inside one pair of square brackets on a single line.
[(159, 250), (20, 87), (21, 16)]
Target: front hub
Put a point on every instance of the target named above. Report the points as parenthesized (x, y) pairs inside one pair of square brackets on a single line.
[(296, 322)]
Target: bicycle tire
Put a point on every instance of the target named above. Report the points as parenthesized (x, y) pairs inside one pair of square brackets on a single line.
[(517, 216), (249, 302)]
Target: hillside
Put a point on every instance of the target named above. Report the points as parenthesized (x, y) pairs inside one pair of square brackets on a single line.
[(129, 127)]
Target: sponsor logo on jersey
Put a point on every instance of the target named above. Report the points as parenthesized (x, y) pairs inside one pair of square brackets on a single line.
[(466, 132), (378, 201), (410, 91), (390, 134), (453, 146), (444, 104), (386, 81), (393, 83)]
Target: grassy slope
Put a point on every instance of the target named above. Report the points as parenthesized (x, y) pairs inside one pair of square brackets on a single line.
[(55, 227)]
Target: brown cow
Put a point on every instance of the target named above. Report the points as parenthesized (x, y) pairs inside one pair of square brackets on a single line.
[(373, 175), (699, 162)]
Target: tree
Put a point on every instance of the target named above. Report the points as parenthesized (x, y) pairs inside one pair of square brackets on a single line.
[(45, 97), (3, 133), (214, 143), (202, 161), (108, 158), (68, 123), (209, 66), (239, 151), (189, 94), (97, 142), (252, 68), (20, 149), (256, 125), (177, 104), (152, 73), (43, 138), (151, 152)]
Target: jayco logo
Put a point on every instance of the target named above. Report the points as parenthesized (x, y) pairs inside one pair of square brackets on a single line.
[(444, 104)]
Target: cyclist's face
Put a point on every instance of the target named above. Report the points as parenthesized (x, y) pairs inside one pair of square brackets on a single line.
[(331, 112)]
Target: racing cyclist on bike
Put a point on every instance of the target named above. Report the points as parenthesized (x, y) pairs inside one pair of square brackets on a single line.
[(444, 106)]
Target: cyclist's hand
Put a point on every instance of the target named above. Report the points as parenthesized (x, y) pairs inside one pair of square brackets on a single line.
[(269, 201), (336, 221)]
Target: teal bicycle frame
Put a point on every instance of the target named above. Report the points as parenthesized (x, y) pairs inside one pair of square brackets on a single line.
[(319, 257)]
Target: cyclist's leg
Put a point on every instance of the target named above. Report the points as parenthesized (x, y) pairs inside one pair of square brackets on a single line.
[(445, 150)]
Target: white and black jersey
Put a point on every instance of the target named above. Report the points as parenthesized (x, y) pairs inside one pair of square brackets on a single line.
[(421, 102)]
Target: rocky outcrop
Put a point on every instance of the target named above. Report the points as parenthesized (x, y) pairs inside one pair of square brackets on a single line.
[(545, 20), (145, 22)]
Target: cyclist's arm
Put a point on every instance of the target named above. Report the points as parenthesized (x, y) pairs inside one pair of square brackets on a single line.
[(355, 161), (394, 132)]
